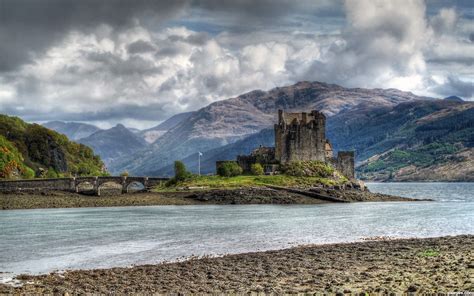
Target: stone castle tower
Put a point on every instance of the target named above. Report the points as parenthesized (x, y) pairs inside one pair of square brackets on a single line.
[(302, 136)]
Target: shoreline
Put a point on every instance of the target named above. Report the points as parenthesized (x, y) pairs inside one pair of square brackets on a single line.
[(440, 264), (245, 195)]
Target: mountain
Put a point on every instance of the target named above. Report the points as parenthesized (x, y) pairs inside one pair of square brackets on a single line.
[(225, 122), (152, 134), (418, 140), (73, 130), (30, 149), (434, 141), (454, 98), (114, 143)]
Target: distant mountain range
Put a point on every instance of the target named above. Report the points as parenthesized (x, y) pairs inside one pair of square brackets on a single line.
[(152, 134), (114, 143), (73, 130), (397, 135)]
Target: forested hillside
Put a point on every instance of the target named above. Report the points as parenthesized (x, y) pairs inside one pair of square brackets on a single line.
[(29, 150)]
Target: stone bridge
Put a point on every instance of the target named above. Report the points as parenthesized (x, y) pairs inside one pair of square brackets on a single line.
[(73, 184)]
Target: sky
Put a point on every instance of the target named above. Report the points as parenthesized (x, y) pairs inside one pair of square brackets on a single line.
[(139, 62)]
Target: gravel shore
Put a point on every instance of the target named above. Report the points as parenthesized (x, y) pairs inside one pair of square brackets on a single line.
[(262, 195), (443, 264)]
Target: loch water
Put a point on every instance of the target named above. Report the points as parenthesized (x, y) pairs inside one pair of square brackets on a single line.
[(45, 240)]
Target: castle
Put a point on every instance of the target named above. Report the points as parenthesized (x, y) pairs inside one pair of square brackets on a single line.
[(299, 137)]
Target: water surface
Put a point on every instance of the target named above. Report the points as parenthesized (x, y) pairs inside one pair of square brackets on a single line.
[(43, 240)]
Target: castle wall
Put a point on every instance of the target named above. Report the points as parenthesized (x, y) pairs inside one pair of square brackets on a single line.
[(300, 136), (345, 163)]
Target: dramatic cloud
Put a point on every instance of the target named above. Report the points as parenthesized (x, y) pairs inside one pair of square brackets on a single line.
[(139, 62)]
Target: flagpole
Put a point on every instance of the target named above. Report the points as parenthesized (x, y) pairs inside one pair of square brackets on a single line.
[(199, 163)]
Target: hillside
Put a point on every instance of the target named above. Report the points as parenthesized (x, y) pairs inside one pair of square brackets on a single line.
[(225, 122), (433, 146), (31, 149), (114, 143), (73, 130), (152, 134)]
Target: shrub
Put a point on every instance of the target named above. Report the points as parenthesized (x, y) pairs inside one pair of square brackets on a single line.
[(51, 174), (180, 172), (308, 169), (257, 169), (229, 169), (11, 161), (28, 173)]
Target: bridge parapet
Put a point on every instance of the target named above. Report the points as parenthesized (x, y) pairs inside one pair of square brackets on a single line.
[(72, 184)]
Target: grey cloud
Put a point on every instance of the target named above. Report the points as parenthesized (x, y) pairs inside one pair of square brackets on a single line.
[(153, 112), (169, 51), (140, 46), (196, 39), (28, 27), (123, 67), (270, 8)]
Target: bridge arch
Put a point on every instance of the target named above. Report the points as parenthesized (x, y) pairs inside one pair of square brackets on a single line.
[(108, 186), (85, 186), (135, 186)]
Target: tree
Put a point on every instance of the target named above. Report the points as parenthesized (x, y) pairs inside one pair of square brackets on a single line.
[(229, 169), (180, 172), (257, 169), (124, 174)]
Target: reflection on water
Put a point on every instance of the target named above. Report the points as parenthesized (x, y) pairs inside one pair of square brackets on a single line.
[(37, 241)]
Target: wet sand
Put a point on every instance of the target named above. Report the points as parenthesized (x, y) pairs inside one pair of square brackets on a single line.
[(58, 199), (411, 265)]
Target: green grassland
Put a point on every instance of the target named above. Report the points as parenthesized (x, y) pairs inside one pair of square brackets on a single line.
[(242, 181)]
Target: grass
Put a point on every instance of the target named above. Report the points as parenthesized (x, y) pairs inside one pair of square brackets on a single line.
[(218, 182), (429, 253)]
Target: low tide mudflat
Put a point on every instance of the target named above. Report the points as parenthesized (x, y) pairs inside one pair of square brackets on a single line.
[(443, 264), (58, 199)]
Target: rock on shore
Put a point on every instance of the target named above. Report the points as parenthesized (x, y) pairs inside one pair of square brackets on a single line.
[(430, 265)]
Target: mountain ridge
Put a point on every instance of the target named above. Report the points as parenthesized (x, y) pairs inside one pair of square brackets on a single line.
[(115, 142), (73, 130)]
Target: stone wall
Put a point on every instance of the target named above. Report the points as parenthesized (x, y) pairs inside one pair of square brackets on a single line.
[(72, 184), (63, 184), (346, 163), (300, 136)]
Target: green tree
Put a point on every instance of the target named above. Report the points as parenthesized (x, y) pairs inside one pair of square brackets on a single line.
[(257, 169), (180, 172), (229, 169)]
